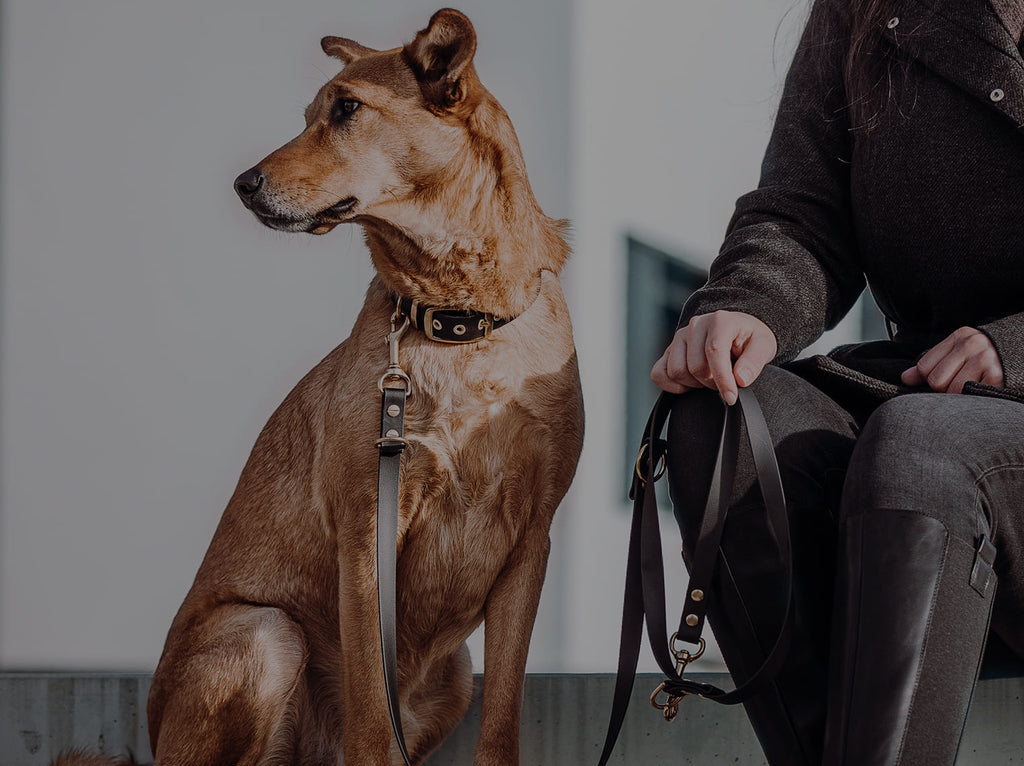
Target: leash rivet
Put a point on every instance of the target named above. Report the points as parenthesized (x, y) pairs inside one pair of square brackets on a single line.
[(697, 595), (692, 620), (392, 433), (394, 410), (459, 329)]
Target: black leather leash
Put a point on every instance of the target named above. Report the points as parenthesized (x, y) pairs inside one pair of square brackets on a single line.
[(645, 574), (444, 326), (395, 389)]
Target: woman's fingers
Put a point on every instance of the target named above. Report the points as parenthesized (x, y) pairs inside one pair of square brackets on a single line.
[(677, 354), (939, 364), (965, 355), (944, 371), (913, 377), (752, 357), (718, 345), (696, 355), (664, 381), (993, 376), (701, 354), (752, 347), (669, 372), (981, 369)]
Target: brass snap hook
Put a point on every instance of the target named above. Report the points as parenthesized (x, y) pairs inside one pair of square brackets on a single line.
[(394, 373), (684, 655), (670, 709)]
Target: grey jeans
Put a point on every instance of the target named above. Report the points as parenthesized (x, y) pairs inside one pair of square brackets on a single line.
[(956, 459)]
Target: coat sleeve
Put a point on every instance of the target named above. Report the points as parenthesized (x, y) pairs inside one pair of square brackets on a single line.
[(789, 256), (1007, 335)]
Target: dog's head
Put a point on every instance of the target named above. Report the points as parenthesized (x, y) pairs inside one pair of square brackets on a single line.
[(389, 127)]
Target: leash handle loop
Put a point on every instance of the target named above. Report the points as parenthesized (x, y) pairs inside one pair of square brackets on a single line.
[(644, 598)]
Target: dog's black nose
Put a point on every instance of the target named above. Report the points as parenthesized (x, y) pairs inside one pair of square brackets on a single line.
[(249, 183)]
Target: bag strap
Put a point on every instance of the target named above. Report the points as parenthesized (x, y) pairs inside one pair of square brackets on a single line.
[(645, 573)]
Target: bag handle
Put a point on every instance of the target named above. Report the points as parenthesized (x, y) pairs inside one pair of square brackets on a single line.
[(645, 572)]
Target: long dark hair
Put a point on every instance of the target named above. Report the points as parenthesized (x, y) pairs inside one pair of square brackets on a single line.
[(868, 62)]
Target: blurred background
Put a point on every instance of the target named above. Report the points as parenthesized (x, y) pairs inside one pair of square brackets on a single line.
[(150, 325)]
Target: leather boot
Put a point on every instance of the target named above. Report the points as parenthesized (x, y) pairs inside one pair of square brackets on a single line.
[(912, 609)]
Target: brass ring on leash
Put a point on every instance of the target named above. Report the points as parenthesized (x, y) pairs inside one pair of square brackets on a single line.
[(659, 470)]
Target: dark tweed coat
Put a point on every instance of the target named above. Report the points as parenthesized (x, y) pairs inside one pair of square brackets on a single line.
[(929, 209)]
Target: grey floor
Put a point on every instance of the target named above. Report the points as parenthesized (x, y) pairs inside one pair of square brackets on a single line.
[(564, 720)]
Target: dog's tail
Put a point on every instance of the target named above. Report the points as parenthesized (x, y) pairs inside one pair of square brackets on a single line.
[(79, 757)]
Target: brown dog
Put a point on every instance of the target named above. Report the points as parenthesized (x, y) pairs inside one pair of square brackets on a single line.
[(274, 656)]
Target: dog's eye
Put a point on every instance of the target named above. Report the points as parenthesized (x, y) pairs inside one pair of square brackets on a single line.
[(343, 109)]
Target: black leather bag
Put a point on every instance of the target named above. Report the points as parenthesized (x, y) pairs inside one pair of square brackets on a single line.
[(644, 600)]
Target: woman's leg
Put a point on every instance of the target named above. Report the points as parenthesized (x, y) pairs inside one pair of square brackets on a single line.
[(813, 439), (932, 514)]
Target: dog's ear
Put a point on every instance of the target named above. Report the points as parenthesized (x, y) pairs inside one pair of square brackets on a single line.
[(441, 56), (344, 49)]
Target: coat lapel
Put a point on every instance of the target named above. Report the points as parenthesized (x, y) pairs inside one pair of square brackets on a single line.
[(965, 42), (1011, 13)]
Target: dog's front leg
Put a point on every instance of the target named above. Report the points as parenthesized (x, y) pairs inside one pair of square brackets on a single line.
[(509, 615), (367, 736)]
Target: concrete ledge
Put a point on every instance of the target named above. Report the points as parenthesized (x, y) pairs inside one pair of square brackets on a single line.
[(564, 721)]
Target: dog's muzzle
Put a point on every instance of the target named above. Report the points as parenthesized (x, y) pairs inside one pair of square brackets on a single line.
[(251, 188)]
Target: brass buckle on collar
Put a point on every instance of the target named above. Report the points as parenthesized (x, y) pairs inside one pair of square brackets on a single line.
[(487, 325)]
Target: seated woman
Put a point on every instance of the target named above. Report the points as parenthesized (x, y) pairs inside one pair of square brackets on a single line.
[(897, 159)]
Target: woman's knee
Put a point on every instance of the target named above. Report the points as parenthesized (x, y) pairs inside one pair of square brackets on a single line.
[(913, 455), (813, 438)]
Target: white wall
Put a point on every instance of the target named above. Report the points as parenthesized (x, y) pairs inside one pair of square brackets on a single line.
[(150, 324)]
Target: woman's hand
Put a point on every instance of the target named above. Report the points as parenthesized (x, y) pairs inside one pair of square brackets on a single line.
[(967, 354), (700, 355)]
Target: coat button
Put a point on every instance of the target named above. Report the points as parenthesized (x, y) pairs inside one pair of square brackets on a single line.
[(893, 22), (997, 94)]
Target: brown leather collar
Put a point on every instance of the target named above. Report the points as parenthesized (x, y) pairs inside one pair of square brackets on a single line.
[(450, 325)]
